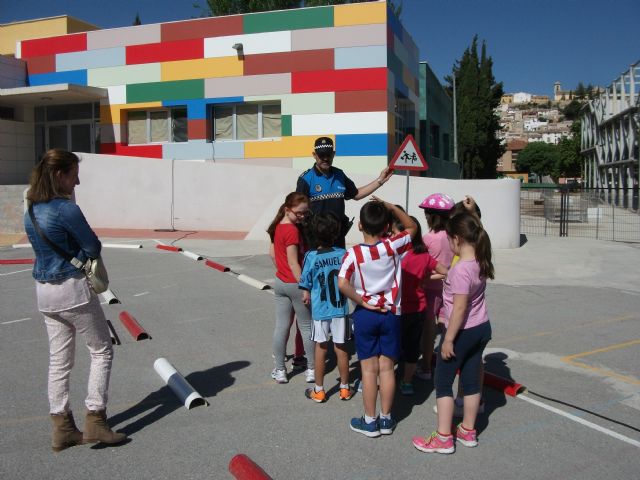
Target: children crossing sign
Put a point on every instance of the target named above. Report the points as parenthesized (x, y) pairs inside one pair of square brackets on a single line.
[(408, 156)]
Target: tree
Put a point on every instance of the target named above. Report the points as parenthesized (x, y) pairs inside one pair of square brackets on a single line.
[(539, 157), (572, 110), (477, 97), (570, 160), (137, 20)]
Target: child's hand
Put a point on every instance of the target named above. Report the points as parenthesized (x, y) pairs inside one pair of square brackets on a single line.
[(377, 199), (446, 350), (374, 308), (306, 297)]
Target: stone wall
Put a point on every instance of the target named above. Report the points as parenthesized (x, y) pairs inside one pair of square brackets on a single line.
[(12, 208)]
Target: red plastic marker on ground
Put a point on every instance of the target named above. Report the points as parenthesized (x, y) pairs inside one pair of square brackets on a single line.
[(243, 468), (169, 248), (18, 261), (132, 325), (509, 387), (217, 266)]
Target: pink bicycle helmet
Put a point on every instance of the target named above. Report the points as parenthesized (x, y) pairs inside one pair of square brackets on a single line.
[(438, 202)]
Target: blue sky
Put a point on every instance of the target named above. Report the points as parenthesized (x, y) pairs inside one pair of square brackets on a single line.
[(533, 42)]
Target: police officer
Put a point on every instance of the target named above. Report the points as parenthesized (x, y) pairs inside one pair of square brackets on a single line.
[(328, 187)]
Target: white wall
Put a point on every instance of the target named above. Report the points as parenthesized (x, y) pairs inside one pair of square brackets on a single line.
[(128, 192)]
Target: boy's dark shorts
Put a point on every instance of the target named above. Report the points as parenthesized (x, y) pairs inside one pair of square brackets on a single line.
[(376, 333)]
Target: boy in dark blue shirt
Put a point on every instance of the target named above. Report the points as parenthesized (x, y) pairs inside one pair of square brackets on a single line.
[(329, 307)]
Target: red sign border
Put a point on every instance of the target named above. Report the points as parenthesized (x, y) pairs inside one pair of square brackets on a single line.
[(408, 138)]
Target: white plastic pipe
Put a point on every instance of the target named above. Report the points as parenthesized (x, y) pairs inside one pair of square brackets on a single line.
[(121, 245), (21, 245), (253, 282), (109, 297), (191, 255), (178, 384)]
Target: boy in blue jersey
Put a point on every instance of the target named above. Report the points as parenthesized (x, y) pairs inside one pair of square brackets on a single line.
[(329, 307)]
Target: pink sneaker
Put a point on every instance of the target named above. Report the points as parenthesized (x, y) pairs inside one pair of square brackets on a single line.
[(468, 438), (436, 443)]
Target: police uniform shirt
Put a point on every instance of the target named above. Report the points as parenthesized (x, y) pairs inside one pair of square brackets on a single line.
[(327, 193)]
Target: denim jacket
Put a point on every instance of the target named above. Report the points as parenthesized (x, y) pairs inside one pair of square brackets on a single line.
[(64, 224)]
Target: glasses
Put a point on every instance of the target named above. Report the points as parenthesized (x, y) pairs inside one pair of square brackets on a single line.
[(300, 214)]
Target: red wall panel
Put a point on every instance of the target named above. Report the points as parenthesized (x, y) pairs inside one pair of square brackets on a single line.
[(282, 62), (339, 80), (361, 101), (39, 47), (197, 129), (165, 51), (201, 28), (150, 151), (44, 64)]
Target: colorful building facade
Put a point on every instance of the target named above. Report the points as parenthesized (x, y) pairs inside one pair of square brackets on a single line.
[(254, 88)]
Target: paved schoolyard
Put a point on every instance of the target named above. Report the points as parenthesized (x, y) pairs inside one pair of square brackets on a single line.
[(565, 315)]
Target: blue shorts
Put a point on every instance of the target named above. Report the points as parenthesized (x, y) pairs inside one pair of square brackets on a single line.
[(376, 333)]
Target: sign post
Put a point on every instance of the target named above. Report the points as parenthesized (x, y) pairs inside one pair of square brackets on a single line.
[(408, 157)]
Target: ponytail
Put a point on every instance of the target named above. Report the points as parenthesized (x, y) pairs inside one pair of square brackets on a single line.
[(469, 228), (292, 200)]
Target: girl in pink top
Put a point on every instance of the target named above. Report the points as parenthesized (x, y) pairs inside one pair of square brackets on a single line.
[(467, 332), (437, 208)]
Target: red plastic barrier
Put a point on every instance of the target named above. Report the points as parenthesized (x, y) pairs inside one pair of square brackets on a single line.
[(243, 468), (509, 387), (18, 261), (217, 266), (132, 325), (170, 248)]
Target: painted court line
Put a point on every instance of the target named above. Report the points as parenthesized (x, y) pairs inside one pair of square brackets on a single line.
[(17, 271), (140, 294), (570, 359), (579, 420), (16, 321)]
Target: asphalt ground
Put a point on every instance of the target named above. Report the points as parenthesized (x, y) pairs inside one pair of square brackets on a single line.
[(565, 316)]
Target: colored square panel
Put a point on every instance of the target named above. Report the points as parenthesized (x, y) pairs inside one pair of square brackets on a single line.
[(197, 108), (339, 80), (202, 68), (288, 20), (197, 129), (202, 28), (104, 57), (353, 36), (339, 123), (117, 113), (252, 44), (286, 125), (44, 64), (284, 147), (361, 145), (149, 151), (249, 85), (49, 46), (359, 14), (143, 73), (361, 101), (301, 103), (149, 92), (125, 36), (78, 77), (165, 51), (361, 57), (288, 62)]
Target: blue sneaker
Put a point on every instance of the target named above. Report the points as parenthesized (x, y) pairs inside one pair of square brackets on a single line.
[(367, 429), (387, 425)]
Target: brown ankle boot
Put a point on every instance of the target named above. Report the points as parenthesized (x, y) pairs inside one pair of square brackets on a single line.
[(65, 432), (96, 429)]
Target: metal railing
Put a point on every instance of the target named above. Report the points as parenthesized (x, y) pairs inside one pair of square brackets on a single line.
[(567, 211)]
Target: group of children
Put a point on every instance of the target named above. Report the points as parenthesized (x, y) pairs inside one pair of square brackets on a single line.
[(399, 284)]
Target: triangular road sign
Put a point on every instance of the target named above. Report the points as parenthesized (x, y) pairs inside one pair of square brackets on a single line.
[(408, 156)]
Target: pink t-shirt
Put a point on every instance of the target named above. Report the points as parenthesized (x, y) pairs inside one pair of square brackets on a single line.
[(464, 278), (416, 268), (438, 247)]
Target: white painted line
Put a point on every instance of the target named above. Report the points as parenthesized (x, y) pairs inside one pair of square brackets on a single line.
[(16, 321), (21, 245), (120, 245), (581, 421), (17, 271), (140, 294)]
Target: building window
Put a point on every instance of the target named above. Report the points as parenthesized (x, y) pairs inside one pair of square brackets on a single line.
[(7, 113), (246, 121), (157, 126), (434, 137)]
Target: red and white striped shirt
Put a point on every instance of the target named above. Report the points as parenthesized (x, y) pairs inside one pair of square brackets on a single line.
[(374, 270)]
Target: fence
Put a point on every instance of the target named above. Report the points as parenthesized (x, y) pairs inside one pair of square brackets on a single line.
[(567, 211)]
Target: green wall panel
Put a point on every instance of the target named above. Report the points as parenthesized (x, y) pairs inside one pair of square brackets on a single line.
[(286, 125), (288, 20), (155, 91)]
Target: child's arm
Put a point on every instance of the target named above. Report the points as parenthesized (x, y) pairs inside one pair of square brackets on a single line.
[(292, 260), (441, 272), (272, 254), (306, 297), (348, 291), (460, 304), (403, 218)]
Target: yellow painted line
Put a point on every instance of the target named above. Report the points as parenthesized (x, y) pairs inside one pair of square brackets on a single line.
[(603, 371)]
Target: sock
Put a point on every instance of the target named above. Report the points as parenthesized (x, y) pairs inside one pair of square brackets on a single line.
[(386, 417), (369, 419), (344, 385), (318, 388)]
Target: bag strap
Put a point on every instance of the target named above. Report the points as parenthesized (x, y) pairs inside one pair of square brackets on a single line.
[(69, 258)]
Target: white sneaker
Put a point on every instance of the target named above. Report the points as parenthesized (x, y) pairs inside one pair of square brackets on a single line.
[(310, 375), (280, 376)]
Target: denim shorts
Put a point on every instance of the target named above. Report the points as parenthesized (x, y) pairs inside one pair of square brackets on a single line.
[(376, 333)]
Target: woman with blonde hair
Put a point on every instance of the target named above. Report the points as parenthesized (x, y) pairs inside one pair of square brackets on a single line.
[(66, 300)]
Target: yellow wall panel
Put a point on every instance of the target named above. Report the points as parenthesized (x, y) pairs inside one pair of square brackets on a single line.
[(112, 113), (202, 68), (359, 14), (301, 146)]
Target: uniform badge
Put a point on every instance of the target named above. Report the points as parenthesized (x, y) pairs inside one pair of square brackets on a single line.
[(318, 188)]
